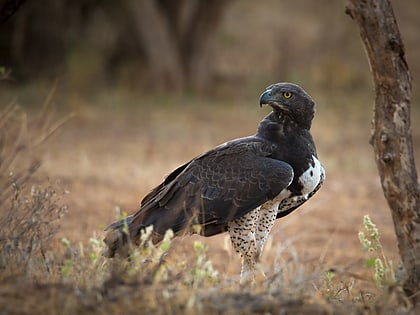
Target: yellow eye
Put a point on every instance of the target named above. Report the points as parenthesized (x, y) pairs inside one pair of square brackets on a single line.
[(287, 94)]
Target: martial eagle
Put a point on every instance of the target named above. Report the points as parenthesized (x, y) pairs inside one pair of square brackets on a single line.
[(241, 186)]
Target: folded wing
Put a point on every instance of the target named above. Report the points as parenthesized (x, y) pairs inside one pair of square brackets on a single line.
[(213, 189)]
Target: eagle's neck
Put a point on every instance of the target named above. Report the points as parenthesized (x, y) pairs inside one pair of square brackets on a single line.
[(291, 144), (276, 126)]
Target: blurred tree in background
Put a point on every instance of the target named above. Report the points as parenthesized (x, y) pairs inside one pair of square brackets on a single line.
[(176, 38), (171, 40), (165, 45)]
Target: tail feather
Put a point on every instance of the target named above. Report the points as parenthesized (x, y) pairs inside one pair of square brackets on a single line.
[(121, 234), (117, 240), (117, 243), (119, 224)]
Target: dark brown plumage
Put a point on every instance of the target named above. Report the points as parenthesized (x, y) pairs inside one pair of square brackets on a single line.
[(242, 185)]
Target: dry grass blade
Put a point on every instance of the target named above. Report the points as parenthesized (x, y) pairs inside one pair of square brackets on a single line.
[(45, 122), (6, 113), (54, 127), (16, 143)]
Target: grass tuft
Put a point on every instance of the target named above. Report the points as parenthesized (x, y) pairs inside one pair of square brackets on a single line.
[(383, 271)]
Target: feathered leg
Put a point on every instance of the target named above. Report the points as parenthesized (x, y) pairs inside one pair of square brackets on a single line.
[(249, 234), (267, 217), (242, 235)]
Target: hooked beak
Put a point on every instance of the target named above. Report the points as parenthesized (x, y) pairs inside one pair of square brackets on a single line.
[(267, 99)]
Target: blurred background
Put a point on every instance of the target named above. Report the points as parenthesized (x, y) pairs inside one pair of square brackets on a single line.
[(150, 84), (162, 46)]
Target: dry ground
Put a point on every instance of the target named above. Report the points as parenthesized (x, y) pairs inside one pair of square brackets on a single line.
[(110, 158)]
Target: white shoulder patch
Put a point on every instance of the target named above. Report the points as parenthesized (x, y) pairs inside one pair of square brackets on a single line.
[(311, 177)]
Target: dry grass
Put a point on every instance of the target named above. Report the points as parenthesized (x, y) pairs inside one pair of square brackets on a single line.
[(29, 212), (106, 158)]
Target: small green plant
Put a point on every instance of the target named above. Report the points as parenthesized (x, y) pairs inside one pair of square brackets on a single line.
[(202, 270), (371, 244), (83, 264), (336, 287), (167, 240), (68, 264)]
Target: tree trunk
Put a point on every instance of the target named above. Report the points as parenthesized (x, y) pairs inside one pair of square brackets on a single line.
[(391, 131), (197, 42), (176, 37), (153, 31)]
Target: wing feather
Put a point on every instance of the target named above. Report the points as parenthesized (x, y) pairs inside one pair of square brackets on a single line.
[(215, 188)]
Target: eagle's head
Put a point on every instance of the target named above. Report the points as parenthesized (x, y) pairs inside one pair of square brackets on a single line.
[(289, 101)]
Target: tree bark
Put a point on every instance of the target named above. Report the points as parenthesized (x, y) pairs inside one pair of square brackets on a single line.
[(391, 130)]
